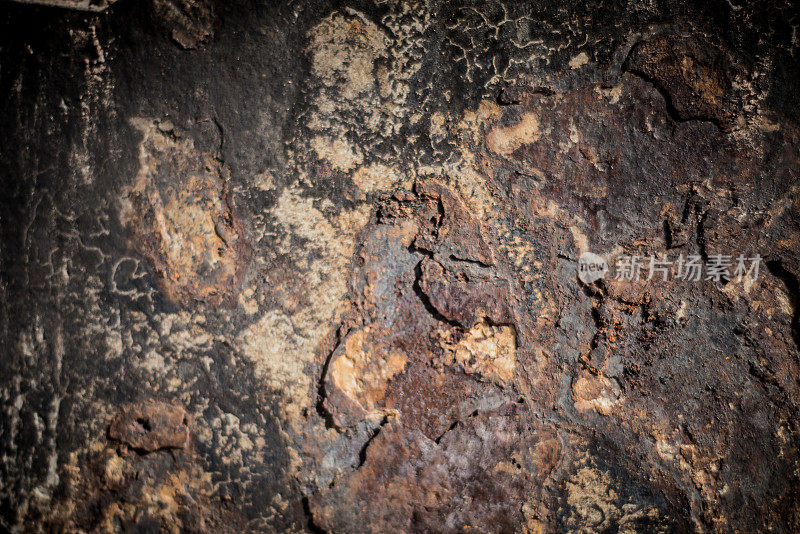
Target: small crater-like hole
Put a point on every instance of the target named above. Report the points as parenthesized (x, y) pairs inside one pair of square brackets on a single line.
[(144, 424)]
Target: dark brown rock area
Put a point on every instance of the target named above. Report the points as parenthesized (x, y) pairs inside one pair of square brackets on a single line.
[(311, 266)]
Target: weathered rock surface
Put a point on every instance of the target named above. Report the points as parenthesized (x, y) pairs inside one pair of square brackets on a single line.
[(311, 266), (83, 5)]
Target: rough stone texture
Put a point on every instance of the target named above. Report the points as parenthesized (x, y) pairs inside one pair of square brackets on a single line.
[(83, 5), (151, 426), (312, 266)]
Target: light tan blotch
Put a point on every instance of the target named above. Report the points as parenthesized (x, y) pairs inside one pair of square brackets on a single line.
[(363, 369), (595, 392), (488, 350), (504, 140)]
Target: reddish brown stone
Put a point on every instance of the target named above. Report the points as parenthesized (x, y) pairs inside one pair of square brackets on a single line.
[(152, 425)]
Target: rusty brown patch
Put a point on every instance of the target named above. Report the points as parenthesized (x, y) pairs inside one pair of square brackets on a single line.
[(498, 462), (452, 229), (696, 76), (462, 299), (362, 368), (435, 328), (151, 425), (181, 219)]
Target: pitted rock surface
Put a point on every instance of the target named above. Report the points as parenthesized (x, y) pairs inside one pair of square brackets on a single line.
[(311, 266)]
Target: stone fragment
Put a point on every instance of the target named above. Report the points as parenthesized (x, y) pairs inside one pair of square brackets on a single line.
[(152, 425)]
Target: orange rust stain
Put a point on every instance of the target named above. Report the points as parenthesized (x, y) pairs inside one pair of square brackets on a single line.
[(181, 221)]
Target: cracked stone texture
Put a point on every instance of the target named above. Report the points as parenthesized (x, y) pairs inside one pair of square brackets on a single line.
[(311, 266)]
